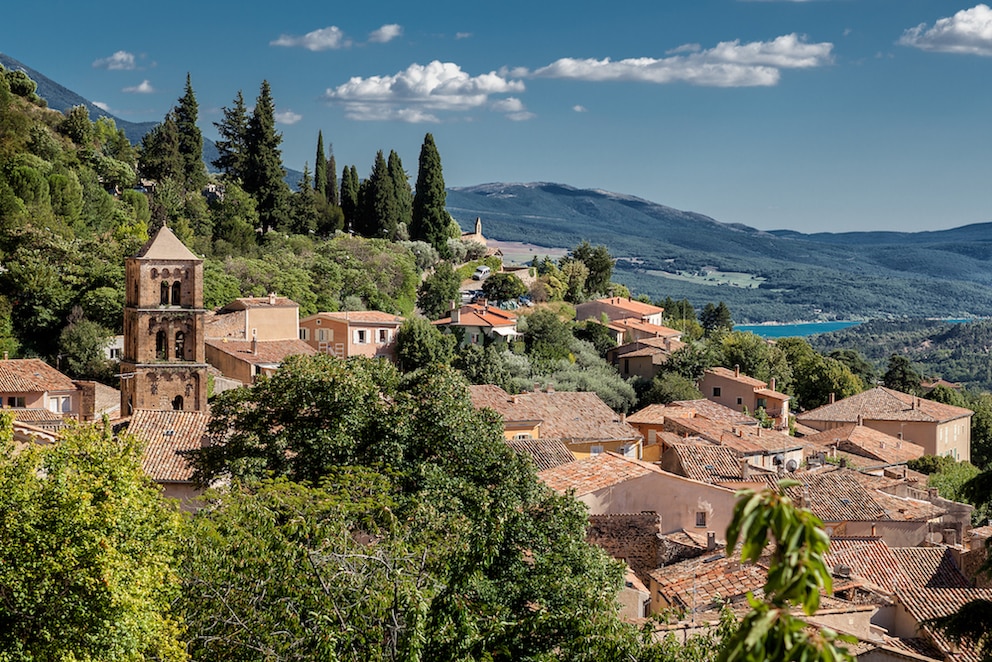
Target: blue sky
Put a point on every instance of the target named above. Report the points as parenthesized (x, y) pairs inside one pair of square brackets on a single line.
[(823, 115)]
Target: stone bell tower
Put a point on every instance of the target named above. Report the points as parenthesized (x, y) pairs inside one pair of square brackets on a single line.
[(163, 365)]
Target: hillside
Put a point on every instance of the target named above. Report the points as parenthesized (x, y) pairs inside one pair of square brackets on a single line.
[(761, 275)]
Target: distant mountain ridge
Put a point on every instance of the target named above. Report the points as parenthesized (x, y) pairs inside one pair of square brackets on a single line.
[(781, 275)]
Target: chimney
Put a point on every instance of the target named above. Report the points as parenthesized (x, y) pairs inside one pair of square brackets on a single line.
[(710, 540), (456, 313), (737, 370), (861, 420), (272, 298), (254, 342), (87, 400), (843, 463), (5, 356), (550, 388), (833, 397), (745, 471), (916, 403), (771, 384)]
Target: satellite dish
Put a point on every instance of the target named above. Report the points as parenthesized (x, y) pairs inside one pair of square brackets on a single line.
[(791, 466)]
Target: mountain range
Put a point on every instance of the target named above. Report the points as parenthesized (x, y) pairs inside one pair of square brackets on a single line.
[(780, 275)]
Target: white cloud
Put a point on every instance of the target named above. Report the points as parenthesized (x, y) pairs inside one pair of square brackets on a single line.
[(288, 117), (728, 64), (580, 109), (102, 106), (324, 39), (462, 35), (418, 93), (145, 87), (513, 108), (968, 31), (386, 33), (119, 61)]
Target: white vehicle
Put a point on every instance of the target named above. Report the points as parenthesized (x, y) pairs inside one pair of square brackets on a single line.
[(481, 273)]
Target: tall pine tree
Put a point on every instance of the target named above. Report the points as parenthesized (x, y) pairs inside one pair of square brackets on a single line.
[(264, 174), (160, 156), (190, 140), (430, 218), (401, 189), (232, 146), (320, 167)]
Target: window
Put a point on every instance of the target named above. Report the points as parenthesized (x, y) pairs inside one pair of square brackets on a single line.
[(115, 353), (304, 333), (15, 401), (383, 336), (177, 292), (161, 352), (740, 401), (701, 518), (60, 404), (762, 403), (322, 335), (596, 450), (626, 366), (180, 344), (361, 336), (522, 435), (164, 296), (716, 391), (177, 403)]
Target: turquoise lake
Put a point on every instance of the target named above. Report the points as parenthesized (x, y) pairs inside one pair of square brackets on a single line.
[(791, 330)]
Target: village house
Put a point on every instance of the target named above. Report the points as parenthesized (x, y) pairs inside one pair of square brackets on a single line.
[(764, 448), (44, 397), (614, 309), (939, 428), (480, 323), (645, 357), (578, 418), (738, 391), (165, 435), (245, 360), (344, 334), (865, 447), (650, 421)]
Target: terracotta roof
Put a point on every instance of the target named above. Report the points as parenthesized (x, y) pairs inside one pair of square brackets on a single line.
[(637, 307), (645, 327), (707, 462), (243, 303), (929, 567), (714, 411), (884, 404), (267, 351), (165, 246), (867, 442), (651, 414), (595, 473), (703, 583), (360, 317), (737, 377), (928, 603), (474, 314), (546, 453), (833, 495), (165, 434), (904, 509), (748, 439), (867, 558), (31, 376), (573, 416), (36, 415)]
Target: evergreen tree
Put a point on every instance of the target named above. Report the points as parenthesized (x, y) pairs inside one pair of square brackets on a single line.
[(304, 205), (320, 167), (264, 174), (190, 140), (716, 318), (232, 146), (381, 201), (333, 194), (430, 219), (160, 156), (401, 189), (438, 291), (901, 375), (349, 196)]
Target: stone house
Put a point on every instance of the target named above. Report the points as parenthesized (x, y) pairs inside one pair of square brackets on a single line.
[(619, 308), (480, 323), (43, 396)]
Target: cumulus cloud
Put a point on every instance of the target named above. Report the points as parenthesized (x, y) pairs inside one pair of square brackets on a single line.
[(968, 31), (386, 33), (288, 117), (145, 87), (102, 106), (419, 93), (513, 108), (728, 64), (119, 61), (324, 39), (580, 109)]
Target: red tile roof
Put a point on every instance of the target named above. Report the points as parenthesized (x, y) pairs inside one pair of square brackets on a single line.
[(702, 583), (928, 603), (644, 327), (884, 404), (165, 434), (595, 473), (360, 317), (929, 567), (869, 443), (244, 303), (869, 559), (545, 453), (480, 315), (707, 462), (631, 305), (266, 351), (737, 377), (31, 376)]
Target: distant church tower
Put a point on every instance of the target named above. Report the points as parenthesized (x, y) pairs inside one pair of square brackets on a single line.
[(163, 365)]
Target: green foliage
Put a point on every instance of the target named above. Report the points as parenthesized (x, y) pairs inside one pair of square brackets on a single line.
[(77, 126), (931, 464), (599, 266), (482, 365), (755, 357), (263, 172), (161, 158), (797, 574), (420, 344), (547, 337), (668, 387), (716, 318), (503, 287), (194, 173), (901, 375), (87, 551), (438, 291), (598, 334), (429, 221), (81, 349), (232, 146), (815, 377)]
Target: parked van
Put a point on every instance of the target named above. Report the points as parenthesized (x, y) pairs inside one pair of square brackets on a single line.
[(481, 273)]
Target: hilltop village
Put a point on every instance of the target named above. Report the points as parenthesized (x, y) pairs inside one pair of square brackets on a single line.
[(658, 484)]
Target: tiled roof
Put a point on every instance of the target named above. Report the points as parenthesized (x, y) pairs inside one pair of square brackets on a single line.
[(704, 582), (594, 473), (737, 377), (928, 603), (867, 442), (644, 327), (267, 351), (626, 303), (546, 453), (651, 414), (474, 314), (708, 463), (360, 317), (884, 404), (243, 303), (902, 509), (108, 401), (165, 246), (573, 416), (37, 416), (748, 439), (165, 434), (31, 376), (714, 411), (929, 567), (867, 558), (833, 495)]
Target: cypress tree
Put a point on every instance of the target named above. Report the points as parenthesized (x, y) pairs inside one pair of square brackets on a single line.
[(320, 167), (264, 174), (304, 205), (232, 146), (401, 189), (430, 218), (349, 197), (190, 140), (160, 156), (333, 195)]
